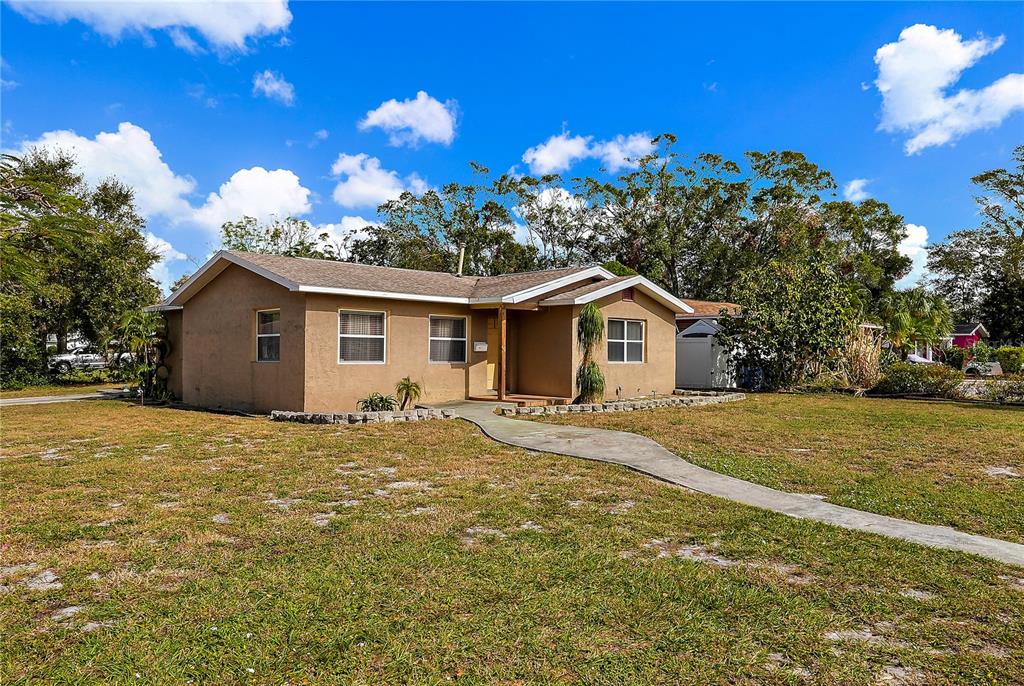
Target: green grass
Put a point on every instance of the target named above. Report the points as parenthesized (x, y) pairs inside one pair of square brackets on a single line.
[(439, 580), (40, 391), (923, 461)]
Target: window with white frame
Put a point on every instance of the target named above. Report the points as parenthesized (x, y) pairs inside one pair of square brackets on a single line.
[(268, 336), (360, 337), (447, 339), (625, 340)]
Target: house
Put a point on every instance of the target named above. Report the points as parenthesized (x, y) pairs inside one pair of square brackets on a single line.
[(701, 362), (263, 332), (966, 335)]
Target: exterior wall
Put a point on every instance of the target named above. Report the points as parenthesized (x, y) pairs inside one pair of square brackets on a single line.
[(541, 354), (657, 371), (966, 341), (335, 387), (218, 345), (173, 362)]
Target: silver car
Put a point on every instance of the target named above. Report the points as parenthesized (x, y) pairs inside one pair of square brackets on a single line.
[(84, 358)]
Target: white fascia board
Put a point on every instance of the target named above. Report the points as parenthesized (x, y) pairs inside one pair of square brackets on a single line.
[(649, 287), (548, 286), (234, 259), (387, 295), (162, 308)]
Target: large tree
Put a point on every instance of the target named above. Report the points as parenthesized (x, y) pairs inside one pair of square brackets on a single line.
[(976, 269), (289, 236)]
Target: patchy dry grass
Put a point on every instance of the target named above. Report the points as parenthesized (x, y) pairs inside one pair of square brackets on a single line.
[(148, 545), (41, 391), (953, 464)]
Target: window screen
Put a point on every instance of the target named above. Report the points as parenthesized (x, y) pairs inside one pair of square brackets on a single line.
[(360, 336), (625, 340), (268, 336), (447, 339)]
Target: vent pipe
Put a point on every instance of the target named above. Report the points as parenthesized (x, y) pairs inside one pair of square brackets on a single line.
[(462, 258)]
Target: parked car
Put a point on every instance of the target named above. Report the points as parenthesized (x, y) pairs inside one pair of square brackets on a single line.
[(978, 369), (84, 358)]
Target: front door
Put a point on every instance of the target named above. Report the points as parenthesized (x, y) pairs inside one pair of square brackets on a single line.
[(493, 352)]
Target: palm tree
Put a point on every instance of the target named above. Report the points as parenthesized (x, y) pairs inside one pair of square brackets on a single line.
[(589, 332), (914, 315), (136, 334), (408, 391)]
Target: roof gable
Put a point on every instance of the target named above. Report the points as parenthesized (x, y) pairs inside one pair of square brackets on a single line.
[(601, 289)]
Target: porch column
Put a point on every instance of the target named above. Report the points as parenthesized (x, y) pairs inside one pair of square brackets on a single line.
[(502, 348)]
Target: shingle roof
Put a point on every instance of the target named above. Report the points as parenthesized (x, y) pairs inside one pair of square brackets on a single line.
[(966, 329), (586, 288), (330, 274), (708, 308)]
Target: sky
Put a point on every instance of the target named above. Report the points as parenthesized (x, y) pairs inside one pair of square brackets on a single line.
[(323, 110)]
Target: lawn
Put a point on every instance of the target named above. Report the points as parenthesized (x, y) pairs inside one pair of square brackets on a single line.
[(40, 391), (150, 545), (936, 463)]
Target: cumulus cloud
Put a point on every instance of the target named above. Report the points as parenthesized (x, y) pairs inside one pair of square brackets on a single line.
[(914, 246), (363, 182), (271, 84), (130, 155), (559, 153), (160, 271), (223, 24), (914, 74), (346, 230), (255, 192), (409, 122), (856, 190)]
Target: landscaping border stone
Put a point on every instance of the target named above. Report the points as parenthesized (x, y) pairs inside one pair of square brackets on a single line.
[(419, 414), (678, 399)]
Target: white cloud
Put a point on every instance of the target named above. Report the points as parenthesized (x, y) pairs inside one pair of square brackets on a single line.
[(364, 183), (224, 24), (273, 85), (558, 153), (130, 155), (347, 229), (914, 246), (619, 152), (255, 192), (160, 271), (411, 121), (914, 74), (856, 190)]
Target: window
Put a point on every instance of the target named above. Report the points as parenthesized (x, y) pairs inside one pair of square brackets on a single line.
[(268, 336), (625, 340), (447, 339), (360, 337)]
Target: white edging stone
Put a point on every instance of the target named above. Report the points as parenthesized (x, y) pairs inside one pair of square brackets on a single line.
[(678, 399), (419, 414)]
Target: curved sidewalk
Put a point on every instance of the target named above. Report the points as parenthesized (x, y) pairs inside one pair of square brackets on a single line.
[(649, 457)]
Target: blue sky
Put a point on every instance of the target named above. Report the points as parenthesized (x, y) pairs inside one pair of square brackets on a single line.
[(214, 112)]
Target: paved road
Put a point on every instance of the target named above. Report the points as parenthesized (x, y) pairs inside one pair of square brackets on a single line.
[(648, 457), (48, 399)]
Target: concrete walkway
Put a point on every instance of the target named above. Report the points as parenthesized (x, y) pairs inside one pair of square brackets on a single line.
[(648, 457), (70, 398)]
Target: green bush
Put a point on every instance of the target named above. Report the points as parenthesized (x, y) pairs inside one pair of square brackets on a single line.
[(1009, 389), (375, 402), (1010, 359), (955, 357), (982, 353), (920, 379)]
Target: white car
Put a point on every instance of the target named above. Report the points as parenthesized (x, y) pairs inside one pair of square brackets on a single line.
[(83, 358)]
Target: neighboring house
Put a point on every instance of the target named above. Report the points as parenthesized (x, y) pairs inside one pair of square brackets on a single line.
[(700, 361), (966, 335), (264, 332)]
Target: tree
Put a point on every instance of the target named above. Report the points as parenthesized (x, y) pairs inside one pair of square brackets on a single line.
[(914, 315), (797, 318), (408, 391), (289, 236), (973, 266), (559, 224), (589, 334)]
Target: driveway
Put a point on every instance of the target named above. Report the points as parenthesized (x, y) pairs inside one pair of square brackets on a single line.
[(49, 399), (649, 457)]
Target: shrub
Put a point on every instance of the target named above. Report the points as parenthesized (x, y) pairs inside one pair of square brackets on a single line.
[(955, 357), (919, 379), (408, 391), (982, 353), (589, 332), (1010, 359), (375, 402), (862, 360), (1005, 390)]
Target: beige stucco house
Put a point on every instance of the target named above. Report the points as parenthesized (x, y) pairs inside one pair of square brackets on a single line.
[(263, 332)]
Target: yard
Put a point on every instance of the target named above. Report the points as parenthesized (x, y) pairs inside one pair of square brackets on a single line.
[(53, 390), (951, 464), (149, 545)]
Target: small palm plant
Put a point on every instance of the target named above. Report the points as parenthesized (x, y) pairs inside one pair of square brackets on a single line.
[(408, 391), (375, 402), (589, 333)]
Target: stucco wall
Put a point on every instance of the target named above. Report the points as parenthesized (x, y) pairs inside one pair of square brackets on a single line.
[(542, 357), (331, 386), (657, 371), (218, 345), (174, 357)]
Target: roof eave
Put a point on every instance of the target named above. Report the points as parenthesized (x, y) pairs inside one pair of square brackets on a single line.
[(652, 289)]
